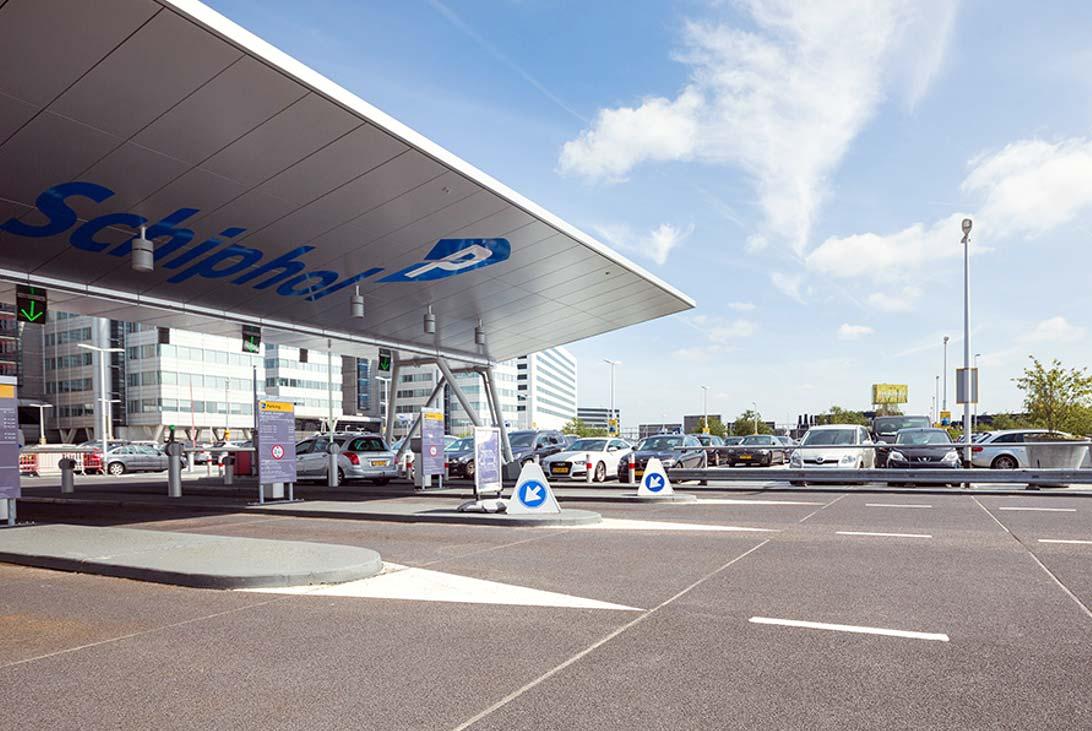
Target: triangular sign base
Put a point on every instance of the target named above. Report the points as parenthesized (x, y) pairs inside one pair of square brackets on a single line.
[(533, 493), (654, 483)]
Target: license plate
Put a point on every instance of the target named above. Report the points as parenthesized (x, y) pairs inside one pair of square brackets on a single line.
[(379, 463), (745, 456), (560, 469)]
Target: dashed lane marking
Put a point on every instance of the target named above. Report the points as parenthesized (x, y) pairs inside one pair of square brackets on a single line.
[(855, 629)]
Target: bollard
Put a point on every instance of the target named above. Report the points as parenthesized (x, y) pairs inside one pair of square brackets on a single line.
[(331, 465), (68, 471), (589, 476), (229, 469), (174, 469), (632, 469)]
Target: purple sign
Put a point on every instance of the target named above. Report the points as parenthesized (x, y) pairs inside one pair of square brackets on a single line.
[(276, 442), (432, 442), (9, 442)]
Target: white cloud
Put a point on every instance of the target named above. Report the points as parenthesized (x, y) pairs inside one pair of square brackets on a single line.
[(742, 306), (897, 300), (783, 102), (788, 284), (656, 244), (853, 332), (1032, 186), (719, 330), (1055, 330), (1028, 188)]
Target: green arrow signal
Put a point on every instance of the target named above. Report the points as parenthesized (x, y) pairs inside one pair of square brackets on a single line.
[(32, 315)]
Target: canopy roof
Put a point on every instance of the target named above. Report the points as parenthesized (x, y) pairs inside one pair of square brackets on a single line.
[(270, 194)]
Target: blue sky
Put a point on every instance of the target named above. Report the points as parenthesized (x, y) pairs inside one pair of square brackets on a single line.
[(800, 169)]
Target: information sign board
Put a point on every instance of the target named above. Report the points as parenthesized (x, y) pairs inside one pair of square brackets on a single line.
[(487, 459), (9, 440), (276, 442), (432, 442)]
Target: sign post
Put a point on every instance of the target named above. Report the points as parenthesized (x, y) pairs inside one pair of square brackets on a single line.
[(30, 304), (487, 461), (276, 449), (432, 446), (9, 450)]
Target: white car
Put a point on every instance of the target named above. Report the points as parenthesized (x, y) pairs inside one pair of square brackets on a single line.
[(845, 447), (604, 455), (1005, 450)]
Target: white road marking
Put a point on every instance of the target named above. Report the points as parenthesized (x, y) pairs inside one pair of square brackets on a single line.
[(883, 535), (1042, 510), (896, 505), (1065, 540), (424, 585), (730, 501), (621, 524), (935, 636)]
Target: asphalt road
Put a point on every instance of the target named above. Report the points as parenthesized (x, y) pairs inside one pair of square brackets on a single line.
[(711, 637)]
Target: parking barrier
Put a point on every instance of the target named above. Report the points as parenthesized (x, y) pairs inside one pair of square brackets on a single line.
[(631, 469), (229, 469), (589, 475), (68, 480)]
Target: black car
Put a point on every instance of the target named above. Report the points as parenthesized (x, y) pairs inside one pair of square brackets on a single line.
[(885, 428), (922, 449), (673, 450), (460, 458), (759, 449), (721, 454), (531, 443)]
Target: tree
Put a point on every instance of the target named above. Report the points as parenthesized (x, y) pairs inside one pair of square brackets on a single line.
[(838, 415), (578, 428), (745, 424), (888, 410), (1055, 398), (716, 426)]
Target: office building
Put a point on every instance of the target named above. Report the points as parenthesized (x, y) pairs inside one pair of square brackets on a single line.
[(596, 417), (692, 423), (310, 379), (546, 389), (649, 430)]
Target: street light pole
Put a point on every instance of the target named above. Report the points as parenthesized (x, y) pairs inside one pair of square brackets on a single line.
[(974, 416), (705, 409), (756, 416), (611, 413), (41, 421), (966, 341), (936, 402), (945, 372), (104, 398)]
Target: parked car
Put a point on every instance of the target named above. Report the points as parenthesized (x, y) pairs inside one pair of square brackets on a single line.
[(922, 449), (604, 454), (843, 449), (135, 458), (541, 443), (1005, 450), (362, 456), (886, 428), (460, 458), (720, 454), (673, 450), (732, 440), (790, 445), (759, 449)]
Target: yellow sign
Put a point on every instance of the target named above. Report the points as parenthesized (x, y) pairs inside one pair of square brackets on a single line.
[(432, 415), (945, 418), (284, 407), (7, 391), (890, 393)]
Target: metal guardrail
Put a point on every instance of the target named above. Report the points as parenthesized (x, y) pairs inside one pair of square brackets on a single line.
[(916, 476)]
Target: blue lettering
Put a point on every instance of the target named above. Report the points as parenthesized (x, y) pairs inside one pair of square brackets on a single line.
[(84, 236), (454, 256), (285, 262), (208, 267), (288, 289), (166, 227), (52, 205), (344, 283)]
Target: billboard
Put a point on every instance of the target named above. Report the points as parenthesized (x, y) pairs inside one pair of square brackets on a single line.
[(890, 393)]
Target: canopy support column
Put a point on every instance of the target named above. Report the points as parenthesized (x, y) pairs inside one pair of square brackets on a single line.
[(498, 413)]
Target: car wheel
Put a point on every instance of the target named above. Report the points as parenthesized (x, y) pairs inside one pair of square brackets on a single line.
[(116, 468), (340, 476), (716, 459), (600, 472), (1004, 462), (468, 470)]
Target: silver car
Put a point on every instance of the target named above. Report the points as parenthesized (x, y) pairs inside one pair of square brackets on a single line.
[(362, 457), (1003, 450), (135, 458)]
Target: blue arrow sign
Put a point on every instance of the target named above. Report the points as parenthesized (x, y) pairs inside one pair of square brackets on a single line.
[(532, 493), (654, 482)]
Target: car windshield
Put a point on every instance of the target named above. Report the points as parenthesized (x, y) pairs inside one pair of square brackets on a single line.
[(521, 439), (757, 439), (461, 445), (892, 424), (705, 439), (930, 436), (829, 436), (656, 444), (366, 444), (733, 440), (588, 445)]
